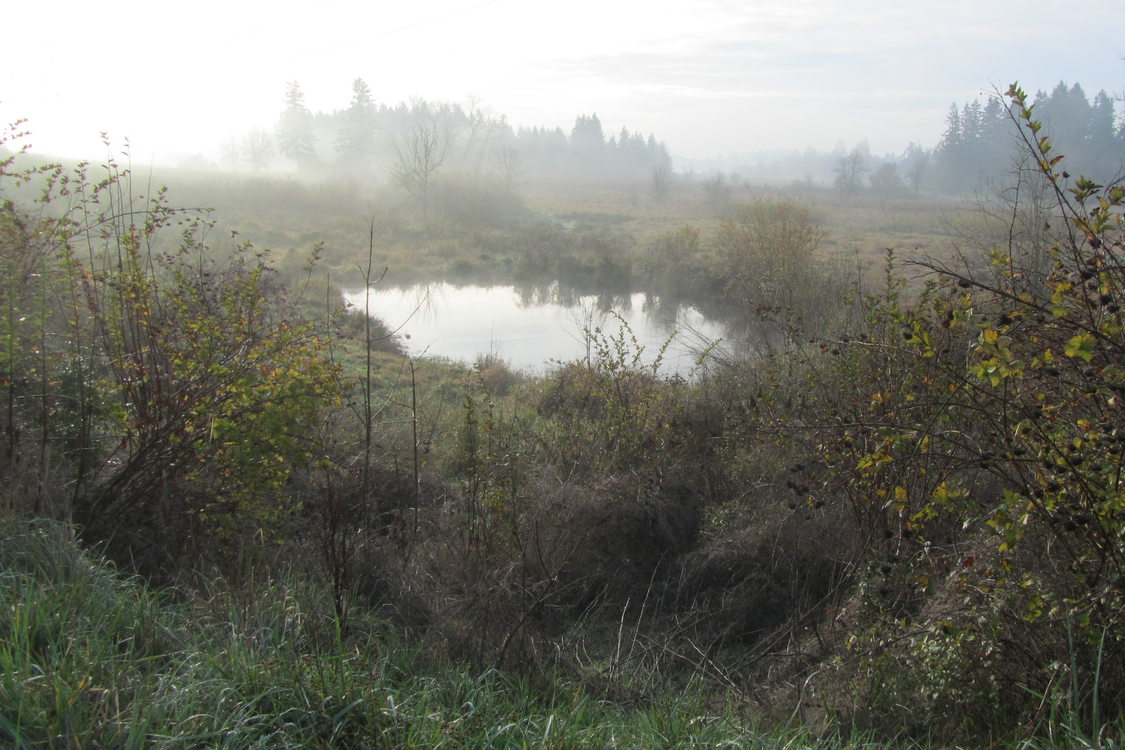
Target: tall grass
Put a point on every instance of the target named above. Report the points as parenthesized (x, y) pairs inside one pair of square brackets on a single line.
[(92, 659), (89, 658)]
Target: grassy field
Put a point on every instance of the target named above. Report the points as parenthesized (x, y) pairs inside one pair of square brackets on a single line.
[(290, 217), (93, 659)]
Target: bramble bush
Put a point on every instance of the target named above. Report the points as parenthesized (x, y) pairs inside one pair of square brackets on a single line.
[(981, 459), (159, 392)]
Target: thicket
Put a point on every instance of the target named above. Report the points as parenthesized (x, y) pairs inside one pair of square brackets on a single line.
[(964, 446), (157, 391), (903, 518)]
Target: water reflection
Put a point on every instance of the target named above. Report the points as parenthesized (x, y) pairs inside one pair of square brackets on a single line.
[(535, 325)]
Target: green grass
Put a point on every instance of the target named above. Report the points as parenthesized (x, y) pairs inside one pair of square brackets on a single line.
[(90, 658)]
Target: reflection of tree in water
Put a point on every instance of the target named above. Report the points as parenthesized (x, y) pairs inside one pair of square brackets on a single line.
[(425, 311), (424, 303), (535, 293), (688, 318), (662, 309), (674, 313), (540, 293), (621, 302)]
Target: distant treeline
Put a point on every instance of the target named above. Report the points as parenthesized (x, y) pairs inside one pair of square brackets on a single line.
[(409, 142), (378, 141), (978, 148), (979, 140)]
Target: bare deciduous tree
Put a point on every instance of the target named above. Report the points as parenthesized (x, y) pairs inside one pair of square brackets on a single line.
[(230, 154), (257, 148), (420, 154), (850, 170), (510, 161), (481, 128), (917, 163)]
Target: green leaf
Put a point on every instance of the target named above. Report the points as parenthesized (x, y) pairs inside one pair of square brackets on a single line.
[(1081, 345)]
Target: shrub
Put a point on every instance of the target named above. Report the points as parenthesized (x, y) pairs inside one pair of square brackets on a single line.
[(473, 202), (982, 469), (171, 392), (764, 251)]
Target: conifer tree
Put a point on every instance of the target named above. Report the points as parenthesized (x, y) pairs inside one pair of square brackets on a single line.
[(295, 138), (355, 143)]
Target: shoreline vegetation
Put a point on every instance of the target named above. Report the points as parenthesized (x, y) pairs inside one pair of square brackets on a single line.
[(236, 513)]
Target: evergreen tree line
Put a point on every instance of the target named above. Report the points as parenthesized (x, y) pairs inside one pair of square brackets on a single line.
[(410, 141), (978, 144), (979, 148), (368, 139)]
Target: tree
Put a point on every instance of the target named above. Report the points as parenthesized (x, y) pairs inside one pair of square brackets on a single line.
[(765, 251), (182, 390), (295, 139), (510, 161), (850, 170), (972, 122), (658, 182), (658, 153), (355, 142), (257, 149), (978, 143), (996, 133), (989, 459), (886, 182), (949, 150), (716, 192), (673, 264), (587, 143), (230, 153), (916, 162), (482, 129), (953, 135), (1101, 124), (420, 154)]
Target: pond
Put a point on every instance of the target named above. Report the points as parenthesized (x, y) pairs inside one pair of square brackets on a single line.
[(535, 327)]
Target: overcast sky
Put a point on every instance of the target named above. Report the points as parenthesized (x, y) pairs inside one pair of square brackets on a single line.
[(708, 77)]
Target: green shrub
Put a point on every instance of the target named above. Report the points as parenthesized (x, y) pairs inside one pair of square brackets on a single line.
[(171, 391)]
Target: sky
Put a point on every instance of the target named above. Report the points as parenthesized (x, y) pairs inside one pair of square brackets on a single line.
[(709, 78)]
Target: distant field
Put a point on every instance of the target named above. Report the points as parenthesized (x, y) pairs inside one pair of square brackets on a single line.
[(861, 226), (290, 217)]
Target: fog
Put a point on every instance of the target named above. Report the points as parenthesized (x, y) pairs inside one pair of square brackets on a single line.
[(709, 79)]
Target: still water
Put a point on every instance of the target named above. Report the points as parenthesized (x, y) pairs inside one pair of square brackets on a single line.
[(536, 327)]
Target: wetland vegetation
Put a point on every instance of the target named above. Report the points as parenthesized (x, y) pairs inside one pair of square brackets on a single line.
[(887, 511)]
